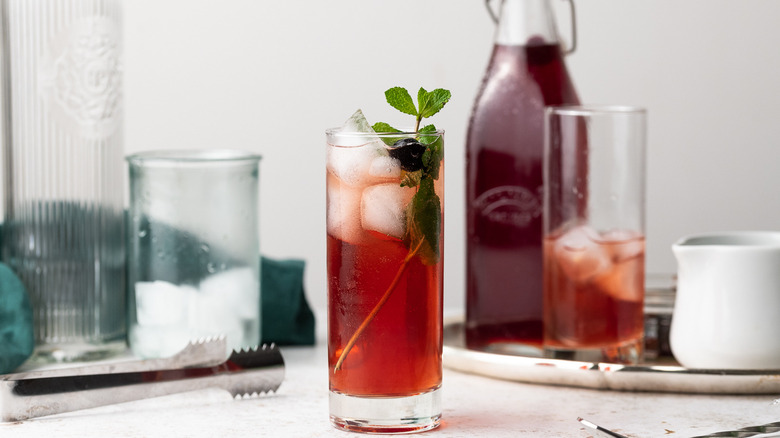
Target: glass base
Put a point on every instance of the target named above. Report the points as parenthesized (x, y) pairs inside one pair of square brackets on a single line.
[(76, 352), (386, 415), (627, 353)]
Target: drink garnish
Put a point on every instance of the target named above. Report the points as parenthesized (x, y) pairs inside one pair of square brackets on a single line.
[(409, 152), (420, 159)]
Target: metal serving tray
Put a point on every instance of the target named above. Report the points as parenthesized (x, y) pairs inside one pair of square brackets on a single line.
[(652, 376)]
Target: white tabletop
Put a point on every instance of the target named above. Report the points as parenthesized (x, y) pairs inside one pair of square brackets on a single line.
[(473, 406)]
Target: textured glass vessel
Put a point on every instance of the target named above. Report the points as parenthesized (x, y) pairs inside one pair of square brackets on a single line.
[(504, 148), (193, 246), (62, 140)]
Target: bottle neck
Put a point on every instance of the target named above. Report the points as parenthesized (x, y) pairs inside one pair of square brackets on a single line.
[(526, 22)]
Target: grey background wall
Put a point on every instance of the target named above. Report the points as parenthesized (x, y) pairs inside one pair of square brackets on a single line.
[(270, 76)]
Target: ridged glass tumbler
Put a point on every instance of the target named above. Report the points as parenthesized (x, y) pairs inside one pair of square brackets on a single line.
[(63, 166)]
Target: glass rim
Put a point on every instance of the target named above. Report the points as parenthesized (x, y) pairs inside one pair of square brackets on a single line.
[(194, 156), (337, 131), (597, 109)]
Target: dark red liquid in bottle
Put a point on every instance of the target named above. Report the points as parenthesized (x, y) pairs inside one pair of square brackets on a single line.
[(504, 193)]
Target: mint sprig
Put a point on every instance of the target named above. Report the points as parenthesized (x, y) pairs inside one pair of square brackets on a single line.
[(423, 215), (428, 104)]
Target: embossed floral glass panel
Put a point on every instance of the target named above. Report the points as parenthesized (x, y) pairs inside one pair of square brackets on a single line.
[(62, 126)]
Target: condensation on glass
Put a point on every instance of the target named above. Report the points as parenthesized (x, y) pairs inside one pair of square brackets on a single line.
[(193, 249)]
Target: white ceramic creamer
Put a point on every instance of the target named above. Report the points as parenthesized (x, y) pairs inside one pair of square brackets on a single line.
[(727, 311)]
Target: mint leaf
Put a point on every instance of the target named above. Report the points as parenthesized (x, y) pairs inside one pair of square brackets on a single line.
[(422, 101), (411, 179), (432, 158), (384, 127), (427, 129), (432, 102), (424, 222), (427, 139), (400, 99)]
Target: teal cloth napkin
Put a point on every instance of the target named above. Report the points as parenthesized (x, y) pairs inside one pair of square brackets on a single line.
[(16, 327), (287, 318)]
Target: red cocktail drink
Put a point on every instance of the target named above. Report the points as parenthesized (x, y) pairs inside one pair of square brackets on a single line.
[(384, 286), (594, 291)]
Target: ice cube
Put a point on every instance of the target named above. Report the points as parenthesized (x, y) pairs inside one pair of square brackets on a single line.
[(383, 208), (239, 289), (154, 341), (343, 215), (351, 157), (160, 303), (625, 244), (357, 122), (211, 314), (352, 164), (580, 257), (623, 281), (385, 166)]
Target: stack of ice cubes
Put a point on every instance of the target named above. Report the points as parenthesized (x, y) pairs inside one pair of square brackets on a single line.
[(364, 191), (586, 255), (169, 315)]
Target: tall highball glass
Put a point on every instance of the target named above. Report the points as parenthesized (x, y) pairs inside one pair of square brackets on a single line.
[(384, 243), (594, 240)]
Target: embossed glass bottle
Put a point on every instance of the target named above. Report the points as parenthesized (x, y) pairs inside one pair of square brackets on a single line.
[(504, 177), (63, 158)]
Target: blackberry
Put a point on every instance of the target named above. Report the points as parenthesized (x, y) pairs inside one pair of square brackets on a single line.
[(409, 152)]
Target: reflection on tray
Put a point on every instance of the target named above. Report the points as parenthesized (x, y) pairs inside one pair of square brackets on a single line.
[(659, 375)]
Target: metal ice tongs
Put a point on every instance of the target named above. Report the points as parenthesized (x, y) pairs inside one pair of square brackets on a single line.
[(200, 365)]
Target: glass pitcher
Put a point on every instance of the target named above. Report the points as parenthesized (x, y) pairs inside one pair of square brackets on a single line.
[(504, 146)]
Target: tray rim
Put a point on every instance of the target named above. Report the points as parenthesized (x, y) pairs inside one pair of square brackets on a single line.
[(600, 375)]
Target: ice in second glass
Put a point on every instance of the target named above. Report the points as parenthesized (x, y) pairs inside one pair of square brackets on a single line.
[(594, 246), (385, 289)]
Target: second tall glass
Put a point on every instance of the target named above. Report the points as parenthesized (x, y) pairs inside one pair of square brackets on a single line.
[(594, 245)]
